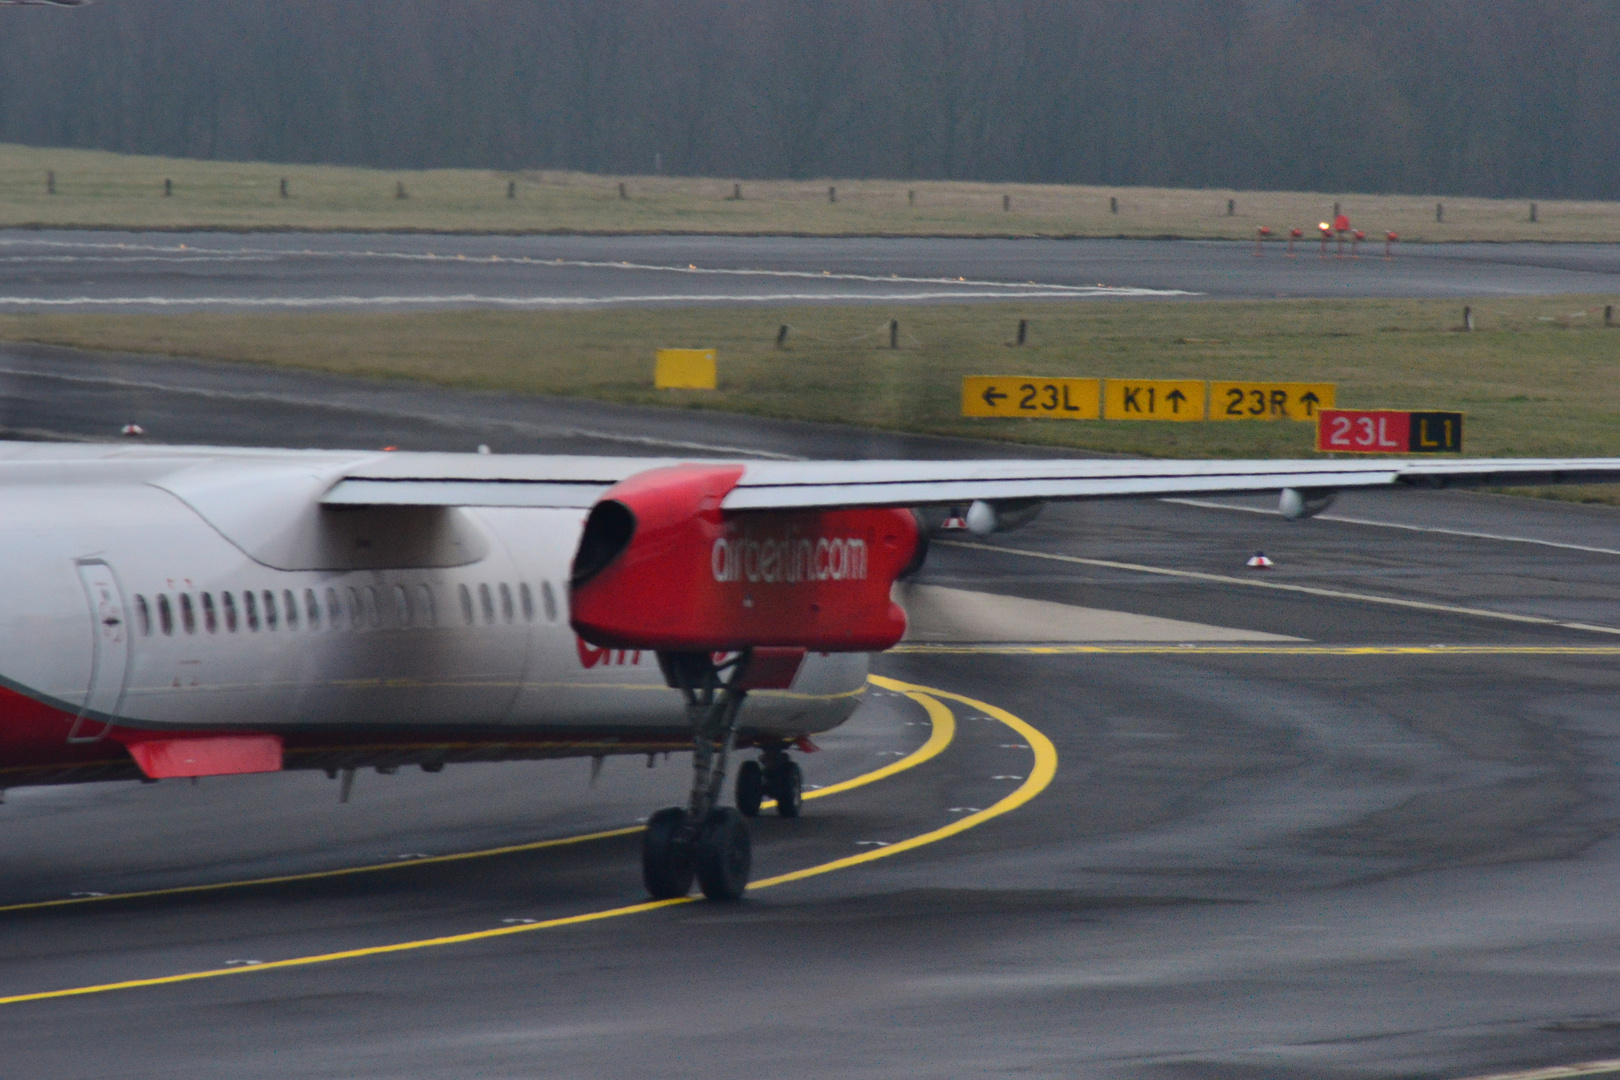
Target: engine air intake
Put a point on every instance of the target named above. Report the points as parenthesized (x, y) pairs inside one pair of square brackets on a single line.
[(608, 532)]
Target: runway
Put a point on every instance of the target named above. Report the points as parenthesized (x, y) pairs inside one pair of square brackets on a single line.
[(1381, 845), (110, 271)]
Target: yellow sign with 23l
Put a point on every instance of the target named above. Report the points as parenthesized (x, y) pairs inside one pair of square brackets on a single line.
[(1030, 396), (1269, 400)]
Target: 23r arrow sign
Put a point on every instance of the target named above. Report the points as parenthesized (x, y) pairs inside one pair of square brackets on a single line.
[(1386, 431)]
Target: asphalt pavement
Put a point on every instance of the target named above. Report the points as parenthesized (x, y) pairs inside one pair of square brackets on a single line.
[(1384, 850), (92, 271)]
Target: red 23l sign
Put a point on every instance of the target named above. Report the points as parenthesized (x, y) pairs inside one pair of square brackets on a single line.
[(1387, 431)]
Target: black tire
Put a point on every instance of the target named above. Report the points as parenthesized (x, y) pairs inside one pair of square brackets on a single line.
[(786, 785), (750, 788), (724, 855), (666, 866)]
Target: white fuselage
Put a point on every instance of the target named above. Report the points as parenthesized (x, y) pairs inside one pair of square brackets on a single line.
[(159, 603)]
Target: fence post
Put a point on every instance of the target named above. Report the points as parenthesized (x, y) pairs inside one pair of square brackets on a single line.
[(284, 193), (168, 187), (1006, 203), (399, 190), (911, 198), (623, 194), (894, 333), (1023, 331), (1440, 213), (511, 189), (1532, 213), (1231, 208), (1468, 318), (1113, 204), (832, 194)]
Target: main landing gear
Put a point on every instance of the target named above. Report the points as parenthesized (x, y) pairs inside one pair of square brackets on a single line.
[(702, 839), (774, 776)]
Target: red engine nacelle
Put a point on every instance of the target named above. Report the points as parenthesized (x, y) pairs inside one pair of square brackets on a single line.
[(662, 566)]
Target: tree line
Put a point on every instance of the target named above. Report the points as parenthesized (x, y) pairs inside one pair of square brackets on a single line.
[(1507, 98)]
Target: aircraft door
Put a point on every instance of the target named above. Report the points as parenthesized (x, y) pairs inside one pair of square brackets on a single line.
[(109, 658)]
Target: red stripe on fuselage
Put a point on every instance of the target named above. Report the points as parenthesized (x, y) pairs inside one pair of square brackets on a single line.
[(34, 734)]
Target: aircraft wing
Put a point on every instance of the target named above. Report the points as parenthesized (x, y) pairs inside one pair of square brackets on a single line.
[(509, 480)]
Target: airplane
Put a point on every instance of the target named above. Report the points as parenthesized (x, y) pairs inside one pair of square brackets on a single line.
[(183, 611)]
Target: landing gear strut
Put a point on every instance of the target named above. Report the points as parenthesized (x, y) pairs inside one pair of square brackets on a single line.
[(702, 839), (775, 776)]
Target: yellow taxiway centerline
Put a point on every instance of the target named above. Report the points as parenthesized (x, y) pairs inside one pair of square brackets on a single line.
[(1040, 776), (939, 738), (1558, 1072), (999, 649)]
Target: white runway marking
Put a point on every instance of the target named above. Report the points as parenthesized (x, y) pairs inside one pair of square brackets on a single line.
[(1308, 590), (480, 300), (189, 253), (896, 287), (1206, 504)]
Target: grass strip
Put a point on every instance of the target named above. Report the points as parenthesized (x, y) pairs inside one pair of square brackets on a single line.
[(52, 187), (1537, 376)]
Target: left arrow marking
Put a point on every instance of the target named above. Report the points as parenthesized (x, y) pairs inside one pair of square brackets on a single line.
[(991, 396)]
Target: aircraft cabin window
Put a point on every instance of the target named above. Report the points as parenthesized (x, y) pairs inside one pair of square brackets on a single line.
[(143, 615), (402, 605), (526, 601), (373, 607), (334, 610), (430, 616), (269, 610), (486, 602), (228, 602), (549, 600), (210, 619), (466, 605), (289, 607), (506, 602), (250, 609), (357, 617), (165, 615), (312, 610), (188, 614)]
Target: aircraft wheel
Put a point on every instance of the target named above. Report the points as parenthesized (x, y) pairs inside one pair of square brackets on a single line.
[(786, 784), (666, 863), (750, 788), (724, 855)]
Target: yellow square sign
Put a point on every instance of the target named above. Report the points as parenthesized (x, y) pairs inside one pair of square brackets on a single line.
[(1153, 399), (684, 369), (1030, 396), (1269, 400)]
